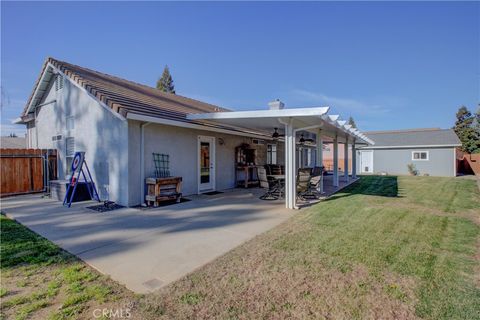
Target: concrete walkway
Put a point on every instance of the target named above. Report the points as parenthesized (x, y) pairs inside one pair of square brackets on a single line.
[(147, 249)]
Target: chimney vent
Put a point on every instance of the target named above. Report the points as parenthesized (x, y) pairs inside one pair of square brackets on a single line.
[(276, 105)]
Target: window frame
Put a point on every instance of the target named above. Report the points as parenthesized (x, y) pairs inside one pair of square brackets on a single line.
[(272, 154), (69, 156), (420, 157)]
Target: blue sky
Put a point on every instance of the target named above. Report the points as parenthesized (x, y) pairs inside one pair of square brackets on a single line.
[(389, 65)]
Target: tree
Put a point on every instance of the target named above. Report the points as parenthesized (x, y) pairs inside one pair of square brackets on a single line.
[(165, 83), (468, 130), (13, 135), (352, 122)]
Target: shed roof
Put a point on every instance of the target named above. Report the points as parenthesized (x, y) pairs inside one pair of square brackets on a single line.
[(433, 137)]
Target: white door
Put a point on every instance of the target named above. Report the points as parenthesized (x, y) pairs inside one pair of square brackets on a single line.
[(366, 161), (206, 163)]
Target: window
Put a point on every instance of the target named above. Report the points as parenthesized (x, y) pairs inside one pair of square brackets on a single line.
[(420, 155), (162, 163), (308, 158), (271, 154), (69, 152)]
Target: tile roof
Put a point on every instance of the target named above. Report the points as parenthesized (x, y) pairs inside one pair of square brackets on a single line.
[(125, 97), (414, 137)]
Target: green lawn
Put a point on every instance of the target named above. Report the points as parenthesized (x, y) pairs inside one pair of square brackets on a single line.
[(384, 248), (41, 281)]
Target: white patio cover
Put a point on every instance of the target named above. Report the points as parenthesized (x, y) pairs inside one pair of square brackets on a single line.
[(290, 121)]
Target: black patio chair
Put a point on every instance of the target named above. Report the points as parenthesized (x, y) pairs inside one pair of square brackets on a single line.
[(269, 183)]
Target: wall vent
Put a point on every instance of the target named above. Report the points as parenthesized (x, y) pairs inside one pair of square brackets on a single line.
[(258, 141), (58, 82), (70, 146)]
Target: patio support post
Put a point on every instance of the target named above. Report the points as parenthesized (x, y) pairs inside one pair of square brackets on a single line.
[(335, 161), (142, 161), (290, 176), (319, 157), (345, 160), (354, 160)]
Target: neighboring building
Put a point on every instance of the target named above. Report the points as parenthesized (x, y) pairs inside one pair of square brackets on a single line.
[(120, 124), (432, 151), (13, 143)]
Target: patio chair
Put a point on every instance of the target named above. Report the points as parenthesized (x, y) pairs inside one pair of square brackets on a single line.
[(268, 183), (303, 183), (316, 183)]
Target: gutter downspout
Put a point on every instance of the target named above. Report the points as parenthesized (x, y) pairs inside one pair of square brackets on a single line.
[(142, 161)]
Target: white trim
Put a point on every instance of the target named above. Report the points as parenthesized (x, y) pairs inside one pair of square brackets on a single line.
[(133, 116), (213, 164), (421, 151), (454, 162), (142, 161), (320, 112), (42, 78), (413, 147), (282, 113)]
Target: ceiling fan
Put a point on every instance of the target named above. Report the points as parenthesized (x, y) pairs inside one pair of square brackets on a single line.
[(276, 135), (303, 140)]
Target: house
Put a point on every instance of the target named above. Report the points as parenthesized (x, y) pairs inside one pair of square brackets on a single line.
[(120, 124), (432, 151), (13, 143)]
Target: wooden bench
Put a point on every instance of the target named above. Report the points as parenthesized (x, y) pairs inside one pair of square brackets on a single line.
[(163, 189)]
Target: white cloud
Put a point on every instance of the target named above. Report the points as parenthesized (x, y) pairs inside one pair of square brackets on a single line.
[(346, 104)]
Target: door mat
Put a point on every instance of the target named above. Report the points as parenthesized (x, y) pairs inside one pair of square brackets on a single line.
[(163, 204), (212, 193), (106, 207)]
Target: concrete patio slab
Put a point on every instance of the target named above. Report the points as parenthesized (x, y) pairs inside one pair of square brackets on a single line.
[(147, 249)]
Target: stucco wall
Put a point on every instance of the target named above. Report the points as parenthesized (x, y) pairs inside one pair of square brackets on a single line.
[(181, 145), (97, 131), (394, 161)]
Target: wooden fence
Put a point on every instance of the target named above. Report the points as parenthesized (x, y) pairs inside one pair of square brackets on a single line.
[(328, 164), (26, 170), (468, 163)]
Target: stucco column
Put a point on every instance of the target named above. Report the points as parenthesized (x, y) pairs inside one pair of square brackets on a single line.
[(335, 162), (354, 160), (290, 177), (319, 157), (345, 160)]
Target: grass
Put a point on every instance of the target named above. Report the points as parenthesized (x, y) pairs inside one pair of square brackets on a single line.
[(41, 281), (383, 248)]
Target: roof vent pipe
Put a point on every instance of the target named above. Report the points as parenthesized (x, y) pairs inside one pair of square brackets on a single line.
[(276, 105)]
